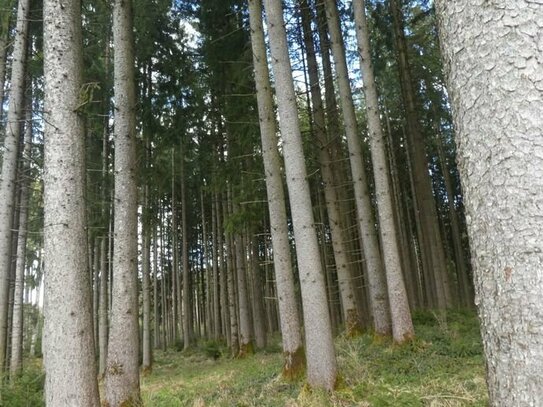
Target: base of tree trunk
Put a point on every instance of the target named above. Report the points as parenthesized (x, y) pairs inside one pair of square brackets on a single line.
[(353, 325), (246, 349), (294, 366)]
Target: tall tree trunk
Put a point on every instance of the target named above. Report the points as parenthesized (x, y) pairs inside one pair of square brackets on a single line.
[(346, 289), (103, 329), (207, 271), (492, 59), (321, 359), (4, 39), (465, 288), (402, 325), (9, 167), (68, 337), (215, 254), (230, 273), (245, 332), (259, 324), (157, 316), (16, 362), (366, 222), (122, 386), (429, 236), (187, 286), (282, 261), (147, 356)]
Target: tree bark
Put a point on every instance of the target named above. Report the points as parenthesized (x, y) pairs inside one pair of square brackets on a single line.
[(246, 345), (321, 359), (187, 286), (147, 356), (491, 53), (16, 361), (9, 167), (402, 325), (366, 222), (346, 289), (68, 337), (122, 386), (282, 261), (4, 38), (103, 308)]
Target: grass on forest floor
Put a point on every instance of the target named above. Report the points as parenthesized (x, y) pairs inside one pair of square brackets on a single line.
[(442, 367)]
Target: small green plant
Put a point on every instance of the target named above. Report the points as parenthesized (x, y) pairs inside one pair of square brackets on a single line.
[(25, 390)]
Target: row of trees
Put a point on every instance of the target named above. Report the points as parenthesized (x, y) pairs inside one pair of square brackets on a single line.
[(159, 226)]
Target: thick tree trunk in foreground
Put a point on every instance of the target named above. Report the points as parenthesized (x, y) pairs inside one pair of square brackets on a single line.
[(321, 358), (122, 372), (492, 56), (282, 262), (69, 356), (402, 325), (9, 167)]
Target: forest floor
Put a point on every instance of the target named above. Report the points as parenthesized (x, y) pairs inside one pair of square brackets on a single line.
[(443, 366)]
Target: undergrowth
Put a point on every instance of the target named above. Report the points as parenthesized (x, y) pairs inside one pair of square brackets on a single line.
[(442, 367)]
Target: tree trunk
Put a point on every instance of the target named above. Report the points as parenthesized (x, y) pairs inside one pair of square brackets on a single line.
[(258, 297), (187, 286), (122, 385), (68, 337), (16, 362), (282, 261), (366, 222), (4, 38), (147, 356), (103, 307), (346, 289), (490, 54), (9, 167), (245, 332), (157, 316), (215, 254), (402, 325), (429, 236), (321, 359)]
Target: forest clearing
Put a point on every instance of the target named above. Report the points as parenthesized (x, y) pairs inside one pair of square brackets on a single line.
[(271, 202)]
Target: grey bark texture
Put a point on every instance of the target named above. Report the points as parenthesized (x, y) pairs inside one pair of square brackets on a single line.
[(8, 176), (345, 282), (122, 371), (246, 345), (402, 325), (321, 358), (147, 355), (16, 358), (493, 57), (68, 337), (282, 261), (366, 222)]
